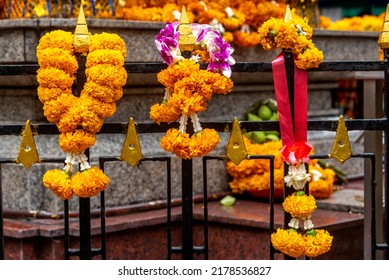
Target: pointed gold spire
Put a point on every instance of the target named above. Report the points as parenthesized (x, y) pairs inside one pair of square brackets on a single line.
[(81, 34), (383, 40), (288, 14), (131, 151), (341, 149), (186, 40), (28, 154), (236, 149)]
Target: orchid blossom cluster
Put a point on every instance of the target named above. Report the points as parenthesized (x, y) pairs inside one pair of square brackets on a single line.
[(78, 119), (188, 88), (301, 207)]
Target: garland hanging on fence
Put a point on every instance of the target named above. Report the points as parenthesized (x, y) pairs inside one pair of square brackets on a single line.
[(188, 88), (294, 36), (79, 118)]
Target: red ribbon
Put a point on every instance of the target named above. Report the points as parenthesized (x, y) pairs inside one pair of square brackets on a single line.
[(293, 133)]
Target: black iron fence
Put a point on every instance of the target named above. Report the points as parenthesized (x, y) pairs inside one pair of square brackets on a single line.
[(187, 250)]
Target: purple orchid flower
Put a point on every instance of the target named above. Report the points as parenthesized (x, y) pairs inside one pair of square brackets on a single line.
[(167, 43)]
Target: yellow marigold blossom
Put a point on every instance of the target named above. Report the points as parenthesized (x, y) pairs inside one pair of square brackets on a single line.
[(107, 75), (167, 12), (57, 58), (107, 41), (102, 93), (321, 187), (46, 94), (246, 39), (164, 113), (58, 181), (203, 54), (56, 39), (203, 142), (54, 78), (54, 109), (234, 22), (91, 122), (169, 76), (76, 142), (103, 109), (310, 58), (176, 142), (186, 102), (90, 182), (317, 245), (103, 56), (228, 36), (299, 206), (289, 242), (70, 120)]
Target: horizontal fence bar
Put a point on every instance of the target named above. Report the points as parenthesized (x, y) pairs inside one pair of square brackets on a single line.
[(155, 67), (221, 126)]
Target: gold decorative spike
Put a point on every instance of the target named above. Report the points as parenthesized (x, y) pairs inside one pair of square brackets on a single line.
[(131, 151), (288, 14), (81, 34), (28, 154), (341, 149), (383, 40), (236, 149), (186, 40)]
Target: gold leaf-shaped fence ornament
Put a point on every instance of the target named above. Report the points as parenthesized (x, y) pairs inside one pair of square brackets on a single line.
[(236, 149), (28, 153), (81, 34), (383, 40), (186, 39), (341, 149), (131, 150)]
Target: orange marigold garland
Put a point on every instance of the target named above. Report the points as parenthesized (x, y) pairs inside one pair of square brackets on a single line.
[(188, 88), (79, 118)]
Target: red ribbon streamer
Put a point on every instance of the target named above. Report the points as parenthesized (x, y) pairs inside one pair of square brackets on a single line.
[(293, 133)]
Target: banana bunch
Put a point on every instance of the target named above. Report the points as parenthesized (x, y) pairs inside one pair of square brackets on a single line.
[(263, 110)]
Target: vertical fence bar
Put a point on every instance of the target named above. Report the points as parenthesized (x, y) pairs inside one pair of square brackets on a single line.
[(187, 209), (1, 216), (386, 148)]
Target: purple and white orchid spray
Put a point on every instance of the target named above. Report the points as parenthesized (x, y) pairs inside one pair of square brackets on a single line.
[(219, 50)]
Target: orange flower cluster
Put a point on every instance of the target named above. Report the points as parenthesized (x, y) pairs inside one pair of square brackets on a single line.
[(188, 88), (237, 21), (294, 36), (295, 244), (79, 118), (253, 175)]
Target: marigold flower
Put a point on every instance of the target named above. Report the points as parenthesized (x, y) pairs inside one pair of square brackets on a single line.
[(57, 39), (57, 58), (316, 245), (289, 242), (58, 181), (107, 41), (54, 78), (300, 206), (46, 94), (105, 56), (90, 182), (77, 141)]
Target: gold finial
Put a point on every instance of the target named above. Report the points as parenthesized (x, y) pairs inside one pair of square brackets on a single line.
[(341, 149), (383, 40), (186, 40), (236, 149), (81, 34), (28, 154), (131, 151), (288, 14)]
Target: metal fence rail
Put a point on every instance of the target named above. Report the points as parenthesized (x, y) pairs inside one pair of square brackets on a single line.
[(187, 250)]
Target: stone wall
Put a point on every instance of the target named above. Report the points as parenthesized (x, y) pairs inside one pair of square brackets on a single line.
[(22, 189)]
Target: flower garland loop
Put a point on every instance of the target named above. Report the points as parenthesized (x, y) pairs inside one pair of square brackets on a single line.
[(79, 118), (188, 88)]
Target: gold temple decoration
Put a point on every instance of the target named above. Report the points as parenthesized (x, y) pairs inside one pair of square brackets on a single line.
[(186, 39), (236, 149), (288, 14), (131, 151), (383, 40), (81, 34), (341, 149), (28, 154)]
